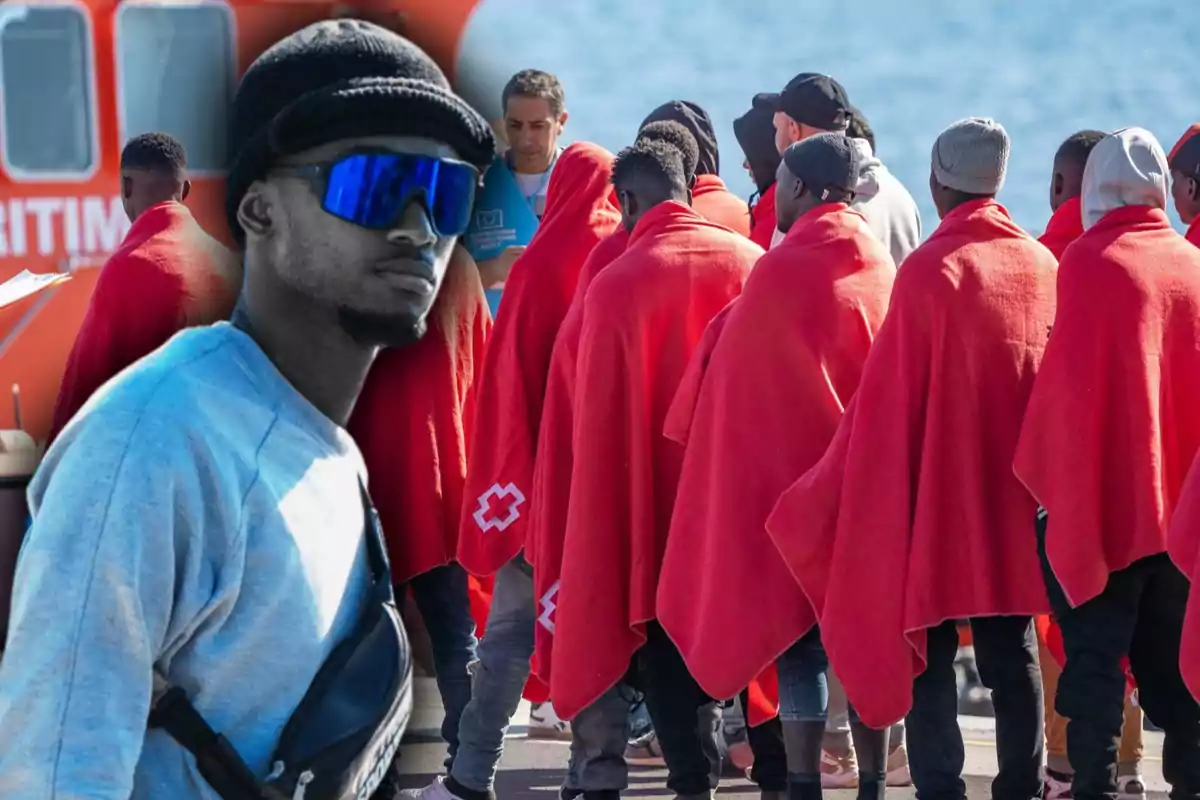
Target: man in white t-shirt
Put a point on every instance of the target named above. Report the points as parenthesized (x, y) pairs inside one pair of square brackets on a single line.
[(534, 115)]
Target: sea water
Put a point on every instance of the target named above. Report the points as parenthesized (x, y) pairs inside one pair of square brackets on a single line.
[(1043, 68)]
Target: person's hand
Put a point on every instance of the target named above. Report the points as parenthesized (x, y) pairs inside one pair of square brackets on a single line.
[(495, 271)]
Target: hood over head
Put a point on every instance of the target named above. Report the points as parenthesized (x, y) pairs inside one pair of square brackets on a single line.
[(697, 121), (1127, 168), (755, 132), (870, 168)]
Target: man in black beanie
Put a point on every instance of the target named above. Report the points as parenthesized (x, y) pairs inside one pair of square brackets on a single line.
[(202, 515)]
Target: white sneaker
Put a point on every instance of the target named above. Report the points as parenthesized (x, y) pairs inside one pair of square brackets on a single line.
[(1131, 787), (434, 791), (545, 724)]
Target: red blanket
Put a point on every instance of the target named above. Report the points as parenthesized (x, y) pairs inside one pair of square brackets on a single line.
[(1065, 226), (788, 358), (1111, 426), (412, 424), (643, 317), (1184, 546), (555, 457), (580, 211), (762, 226), (167, 274), (711, 200), (913, 515)]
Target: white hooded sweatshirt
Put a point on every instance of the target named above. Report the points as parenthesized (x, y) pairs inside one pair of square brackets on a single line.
[(1128, 168)]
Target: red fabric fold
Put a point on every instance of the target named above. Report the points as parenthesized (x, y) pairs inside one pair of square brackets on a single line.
[(1064, 227), (788, 358), (555, 457), (1111, 426), (643, 317), (763, 217), (1193, 232), (167, 274), (412, 424), (711, 200), (913, 515), (580, 211)]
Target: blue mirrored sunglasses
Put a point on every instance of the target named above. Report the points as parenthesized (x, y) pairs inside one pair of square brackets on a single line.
[(372, 189)]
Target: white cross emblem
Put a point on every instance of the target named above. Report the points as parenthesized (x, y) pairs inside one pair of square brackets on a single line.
[(548, 607), (486, 514)]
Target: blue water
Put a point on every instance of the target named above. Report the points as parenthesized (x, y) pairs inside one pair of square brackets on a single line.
[(1043, 68)]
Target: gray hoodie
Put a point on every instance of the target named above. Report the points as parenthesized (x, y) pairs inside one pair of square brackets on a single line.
[(889, 209), (1128, 168)]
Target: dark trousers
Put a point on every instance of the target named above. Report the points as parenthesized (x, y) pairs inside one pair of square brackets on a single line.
[(442, 598), (1007, 655), (1139, 614), (769, 772), (685, 718)]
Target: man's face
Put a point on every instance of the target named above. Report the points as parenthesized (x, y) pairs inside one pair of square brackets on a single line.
[(143, 188), (381, 283), (787, 132), (532, 131), (788, 202), (1183, 189)]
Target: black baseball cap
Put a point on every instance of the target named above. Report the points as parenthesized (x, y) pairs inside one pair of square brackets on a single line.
[(814, 99)]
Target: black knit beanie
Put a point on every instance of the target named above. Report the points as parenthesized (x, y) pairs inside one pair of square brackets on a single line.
[(341, 79), (696, 120)]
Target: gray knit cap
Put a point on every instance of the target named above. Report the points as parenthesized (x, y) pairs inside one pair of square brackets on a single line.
[(972, 156)]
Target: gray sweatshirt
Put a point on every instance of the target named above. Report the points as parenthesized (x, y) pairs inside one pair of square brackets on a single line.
[(198, 514), (890, 211)]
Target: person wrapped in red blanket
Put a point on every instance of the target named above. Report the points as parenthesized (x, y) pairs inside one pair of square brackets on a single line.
[(643, 317), (1109, 433), (552, 470), (766, 401), (710, 198), (411, 423), (1064, 227), (508, 405), (167, 275), (1185, 181), (913, 519), (755, 132)]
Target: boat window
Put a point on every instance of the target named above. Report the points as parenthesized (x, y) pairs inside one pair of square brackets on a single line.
[(175, 67), (46, 90)]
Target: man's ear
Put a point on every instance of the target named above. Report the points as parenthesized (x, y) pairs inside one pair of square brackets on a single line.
[(254, 212), (689, 193), (1058, 183), (1193, 189), (187, 189), (692, 182), (126, 187)]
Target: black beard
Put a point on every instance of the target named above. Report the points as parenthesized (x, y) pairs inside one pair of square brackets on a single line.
[(381, 330)]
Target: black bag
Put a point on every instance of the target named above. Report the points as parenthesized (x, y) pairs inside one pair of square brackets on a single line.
[(340, 741)]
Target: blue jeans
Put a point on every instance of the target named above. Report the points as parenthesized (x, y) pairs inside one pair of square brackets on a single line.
[(804, 682), (498, 678), (441, 597)]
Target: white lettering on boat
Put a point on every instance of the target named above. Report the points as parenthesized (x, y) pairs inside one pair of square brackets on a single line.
[(72, 226)]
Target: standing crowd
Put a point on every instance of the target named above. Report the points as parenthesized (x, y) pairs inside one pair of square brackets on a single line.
[(634, 447)]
